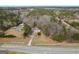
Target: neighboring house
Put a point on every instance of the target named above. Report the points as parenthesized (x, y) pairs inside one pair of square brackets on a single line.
[(17, 31)]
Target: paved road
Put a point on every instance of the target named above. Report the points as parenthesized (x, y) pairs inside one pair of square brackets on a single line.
[(43, 50)]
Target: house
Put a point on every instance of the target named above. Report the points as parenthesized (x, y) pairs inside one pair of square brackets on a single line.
[(17, 31), (36, 30)]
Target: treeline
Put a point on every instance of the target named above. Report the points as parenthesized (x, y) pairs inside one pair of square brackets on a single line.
[(55, 29), (8, 19)]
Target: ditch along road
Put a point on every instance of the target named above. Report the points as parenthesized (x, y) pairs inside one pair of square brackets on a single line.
[(40, 49)]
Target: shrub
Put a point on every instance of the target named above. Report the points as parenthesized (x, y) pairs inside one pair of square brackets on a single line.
[(39, 33), (9, 36), (2, 35), (75, 24), (58, 38), (75, 36), (6, 36)]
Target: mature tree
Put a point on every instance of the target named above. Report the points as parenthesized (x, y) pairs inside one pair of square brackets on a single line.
[(8, 19), (26, 30)]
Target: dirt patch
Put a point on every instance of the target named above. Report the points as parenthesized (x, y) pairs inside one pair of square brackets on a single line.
[(42, 40), (14, 40)]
